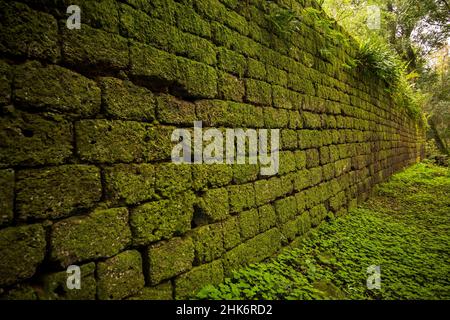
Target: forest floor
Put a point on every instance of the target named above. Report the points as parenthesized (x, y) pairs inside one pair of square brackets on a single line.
[(404, 229)]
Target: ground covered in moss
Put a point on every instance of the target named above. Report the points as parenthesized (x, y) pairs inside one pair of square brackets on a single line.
[(404, 228)]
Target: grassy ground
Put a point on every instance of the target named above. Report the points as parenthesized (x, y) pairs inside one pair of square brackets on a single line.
[(404, 228)]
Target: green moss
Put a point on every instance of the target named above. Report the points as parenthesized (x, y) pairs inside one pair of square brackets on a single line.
[(312, 120), (193, 47), (258, 92), (230, 87), (53, 88), (286, 209), (241, 197), (287, 183), (210, 9), (268, 190), (275, 118), (208, 243), (243, 173), (256, 70), (162, 291), (5, 83), (236, 22), (31, 139), (6, 196), (312, 158), (158, 220), (93, 48), (211, 176), (20, 292), (171, 110), (267, 217), (28, 33), (107, 141), (199, 80), (300, 159), (213, 206), (281, 97), (100, 234), (120, 276), (172, 179), (168, 259), (54, 285), (189, 283), (232, 62), (244, 115), (150, 63), (22, 249), (130, 183), (57, 191), (295, 120), (231, 233), (123, 100), (188, 20), (276, 76), (249, 224), (289, 231), (287, 162)]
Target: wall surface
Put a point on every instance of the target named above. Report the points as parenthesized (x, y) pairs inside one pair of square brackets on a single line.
[(86, 118)]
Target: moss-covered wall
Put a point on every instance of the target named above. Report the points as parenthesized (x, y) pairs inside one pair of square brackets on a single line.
[(86, 119)]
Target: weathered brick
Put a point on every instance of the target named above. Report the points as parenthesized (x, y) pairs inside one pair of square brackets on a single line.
[(124, 100), (101, 234), (22, 249), (6, 196), (241, 197), (133, 183), (208, 243), (107, 141), (120, 276), (54, 285), (231, 233), (213, 206), (162, 219), (190, 282), (32, 139), (5, 83), (53, 88), (28, 33), (168, 259), (89, 48), (56, 192), (249, 223), (171, 110)]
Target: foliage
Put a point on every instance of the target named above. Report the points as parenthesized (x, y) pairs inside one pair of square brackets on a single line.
[(404, 228)]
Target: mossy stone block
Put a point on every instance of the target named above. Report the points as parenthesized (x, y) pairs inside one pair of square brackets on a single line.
[(7, 179), (197, 79), (211, 176), (258, 92), (31, 139), (312, 158), (243, 173), (168, 259), (267, 217), (101, 234), (256, 70), (193, 47), (189, 283), (230, 87), (54, 285), (286, 209), (208, 243), (22, 249), (124, 100), (56, 192), (213, 206), (53, 88), (231, 233), (241, 197), (275, 118), (232, 62), (190, 21), (130, 183), (249, 223), (120, 276), (172, 179), (88, 48), (111, 141), (5, 83), (171, 110), (162, 219), (28, 33)]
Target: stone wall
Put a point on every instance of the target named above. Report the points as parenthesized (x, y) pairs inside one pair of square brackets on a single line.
[(86, 119)]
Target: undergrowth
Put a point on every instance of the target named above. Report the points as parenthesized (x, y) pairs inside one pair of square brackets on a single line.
[(404, 228)]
